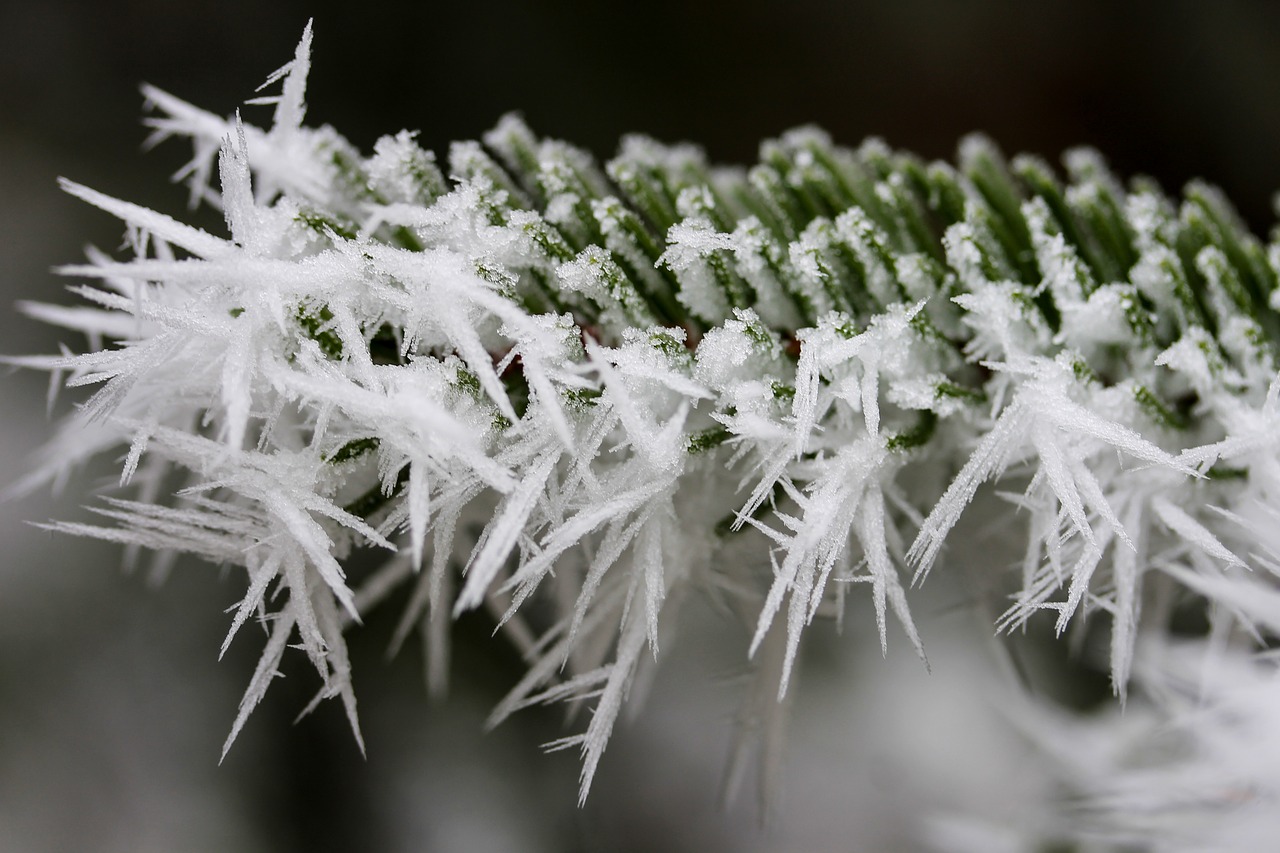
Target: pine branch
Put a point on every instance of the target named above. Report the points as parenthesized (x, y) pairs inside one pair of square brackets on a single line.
[(619, 370)]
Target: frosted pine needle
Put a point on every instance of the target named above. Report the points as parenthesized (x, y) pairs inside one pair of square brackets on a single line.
[(617, 371)]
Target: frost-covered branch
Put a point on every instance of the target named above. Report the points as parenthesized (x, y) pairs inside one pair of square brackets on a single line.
[(616, 372)]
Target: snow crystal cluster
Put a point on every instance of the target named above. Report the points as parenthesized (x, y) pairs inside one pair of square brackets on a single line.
[(561, 392)]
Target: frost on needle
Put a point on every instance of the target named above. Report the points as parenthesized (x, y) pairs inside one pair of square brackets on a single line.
[(616, 372)]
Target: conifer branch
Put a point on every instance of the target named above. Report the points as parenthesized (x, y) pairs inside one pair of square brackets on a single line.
[(616, 370)]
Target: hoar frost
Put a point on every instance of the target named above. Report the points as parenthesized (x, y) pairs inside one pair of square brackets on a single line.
[(615, 373)]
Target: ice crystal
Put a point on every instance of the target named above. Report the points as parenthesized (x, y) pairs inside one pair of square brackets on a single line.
[(618, 373)]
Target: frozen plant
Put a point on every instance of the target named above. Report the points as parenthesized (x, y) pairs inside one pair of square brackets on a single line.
[(620, 374)]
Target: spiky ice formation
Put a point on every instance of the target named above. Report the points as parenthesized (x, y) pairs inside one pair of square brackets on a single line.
[(619, 372)]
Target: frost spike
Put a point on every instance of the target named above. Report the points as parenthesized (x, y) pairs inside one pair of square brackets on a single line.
[(194, 240)]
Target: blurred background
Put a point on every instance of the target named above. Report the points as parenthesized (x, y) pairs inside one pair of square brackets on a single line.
[(113, 707)]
